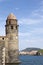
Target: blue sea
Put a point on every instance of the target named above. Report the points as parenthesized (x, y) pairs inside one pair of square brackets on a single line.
[(30, 60)]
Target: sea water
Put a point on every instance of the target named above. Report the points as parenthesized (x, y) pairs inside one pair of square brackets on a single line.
[(30, 60)]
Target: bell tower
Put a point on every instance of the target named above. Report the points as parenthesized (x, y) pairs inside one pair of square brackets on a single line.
[(12, 34), (11, 24)]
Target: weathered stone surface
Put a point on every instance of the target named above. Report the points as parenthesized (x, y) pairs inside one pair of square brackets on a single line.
[(10, 41)]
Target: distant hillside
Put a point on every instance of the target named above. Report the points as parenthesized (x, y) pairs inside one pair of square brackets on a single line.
[(30, 49), (41, 51)]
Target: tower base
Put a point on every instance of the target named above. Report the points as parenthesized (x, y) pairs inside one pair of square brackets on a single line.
[(15, 63)]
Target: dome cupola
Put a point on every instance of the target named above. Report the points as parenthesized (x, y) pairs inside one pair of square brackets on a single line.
[(11, 16)]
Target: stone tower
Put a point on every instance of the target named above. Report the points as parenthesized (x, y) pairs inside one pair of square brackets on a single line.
[(12, 34)]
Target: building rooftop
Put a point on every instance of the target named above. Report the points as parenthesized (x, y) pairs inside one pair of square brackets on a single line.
[(11, 16)]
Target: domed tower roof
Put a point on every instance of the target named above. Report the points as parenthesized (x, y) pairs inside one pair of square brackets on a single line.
[(11, 16)]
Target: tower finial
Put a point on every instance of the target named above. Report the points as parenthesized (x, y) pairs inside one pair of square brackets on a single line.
[(11, 16)]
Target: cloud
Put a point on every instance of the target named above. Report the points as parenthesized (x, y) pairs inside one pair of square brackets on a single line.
[(35, 23), (24, 43), (2, 18), (16, 8), (24, 34), (35, 17), (38, 13), (36, 41), (37, 30), (32, 41), (41, 3), (30, 21)]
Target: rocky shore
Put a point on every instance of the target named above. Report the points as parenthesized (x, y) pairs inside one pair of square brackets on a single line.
[(30, 53)]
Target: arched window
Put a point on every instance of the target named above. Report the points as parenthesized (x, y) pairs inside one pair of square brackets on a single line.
[(9, 22), (16, 27), (3, 38), (11, 27)]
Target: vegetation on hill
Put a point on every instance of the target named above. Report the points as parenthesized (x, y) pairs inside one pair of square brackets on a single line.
[(30, 49), (41, 51)]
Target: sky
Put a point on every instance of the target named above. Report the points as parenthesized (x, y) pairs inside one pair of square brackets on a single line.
[(29, 14)]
